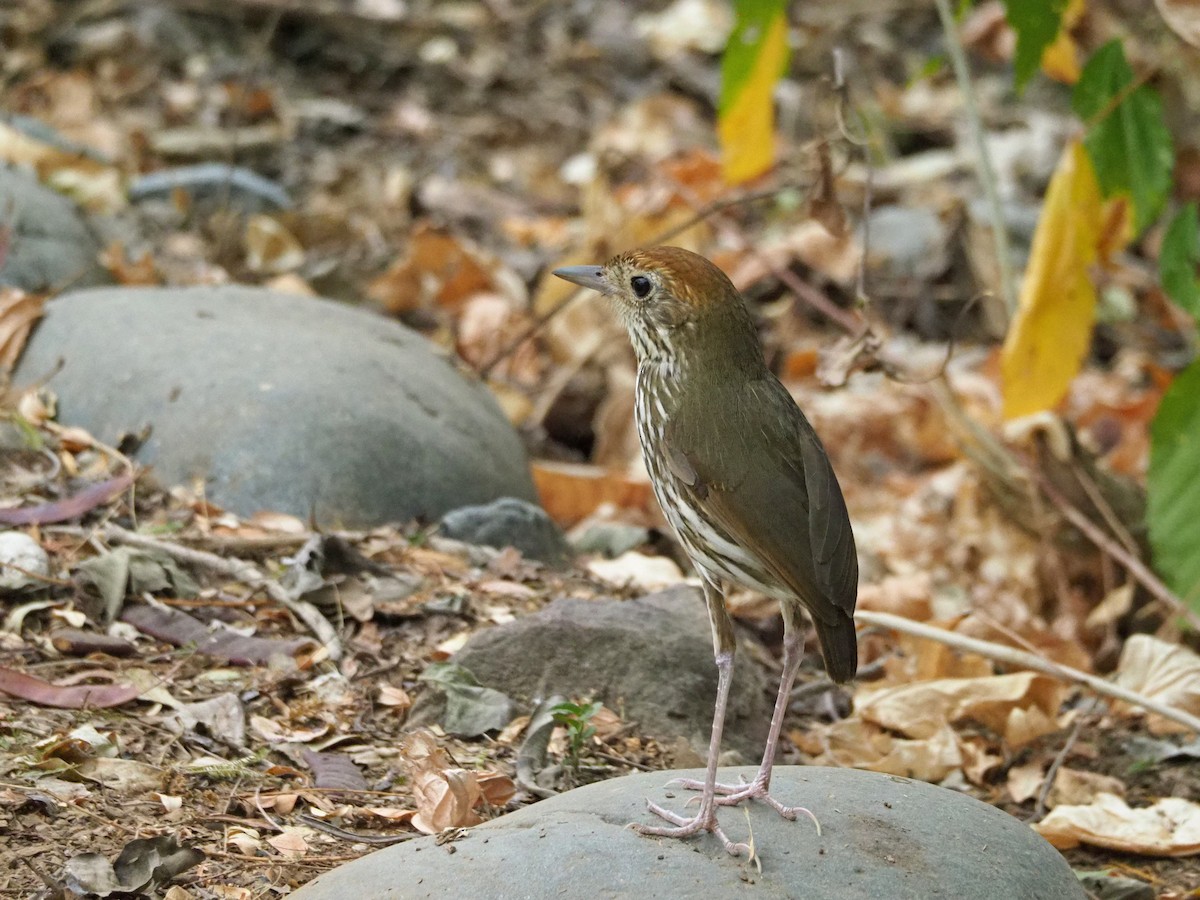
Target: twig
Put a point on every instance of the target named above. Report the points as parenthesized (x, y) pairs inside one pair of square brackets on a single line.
[(242, 571), (987, 177), (1136, 567), (344, 834), (1013, 657), (1039, 808)]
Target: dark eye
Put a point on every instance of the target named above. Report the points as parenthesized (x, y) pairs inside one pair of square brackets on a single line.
[(640, 285)]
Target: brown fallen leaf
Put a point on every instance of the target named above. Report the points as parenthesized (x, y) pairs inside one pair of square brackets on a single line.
[(1162, 671), (1170, 827), (1025, 782), (571, 491), (70, 507), (861, 745), (497, 788), (18, 312), (179, 629), (84, 696), (445, 799), (1019, 706), (1075, 787)]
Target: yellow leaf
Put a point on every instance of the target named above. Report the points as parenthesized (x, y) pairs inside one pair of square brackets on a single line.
[(1060, 60), (1053, 327), (747, 126)]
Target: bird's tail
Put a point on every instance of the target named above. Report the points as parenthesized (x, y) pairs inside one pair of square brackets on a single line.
[(839, 647)]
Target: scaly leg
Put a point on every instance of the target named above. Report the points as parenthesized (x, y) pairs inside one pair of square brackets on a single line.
[(705, 819), (731, 794)]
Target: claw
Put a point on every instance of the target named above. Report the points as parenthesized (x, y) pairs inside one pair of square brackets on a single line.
[(685, 827), (733, 794)]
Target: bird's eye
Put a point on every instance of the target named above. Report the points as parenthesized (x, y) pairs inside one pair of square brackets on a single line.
[(640, 285)]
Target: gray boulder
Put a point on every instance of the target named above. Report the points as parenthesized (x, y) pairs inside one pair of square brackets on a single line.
[(279, 402), (881, 836), (650, 659), (509, 522), (52, 246)]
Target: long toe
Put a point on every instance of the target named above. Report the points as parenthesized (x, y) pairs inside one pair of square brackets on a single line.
[(685, 827), (733, 794)]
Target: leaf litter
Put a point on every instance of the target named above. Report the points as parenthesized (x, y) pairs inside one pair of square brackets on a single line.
[(241, 732)]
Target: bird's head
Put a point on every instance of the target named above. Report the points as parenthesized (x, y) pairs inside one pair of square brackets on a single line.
[(670, 300)]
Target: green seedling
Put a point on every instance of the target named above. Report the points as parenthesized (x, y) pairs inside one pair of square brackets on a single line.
[(576, 718)]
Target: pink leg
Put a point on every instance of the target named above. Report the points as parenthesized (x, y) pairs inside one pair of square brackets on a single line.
[(706, 818), (732, 794)]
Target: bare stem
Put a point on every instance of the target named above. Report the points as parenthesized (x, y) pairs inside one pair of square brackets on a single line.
[(243, 571), (983, 163), (1013, 657)]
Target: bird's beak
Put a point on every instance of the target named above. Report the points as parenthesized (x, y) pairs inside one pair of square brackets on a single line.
[(586, 276)]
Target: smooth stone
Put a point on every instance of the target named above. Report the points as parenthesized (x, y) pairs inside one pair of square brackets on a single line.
[(52, 247), (907, 242), (509, 522), (649, 659), (284, 403), (881, 836)]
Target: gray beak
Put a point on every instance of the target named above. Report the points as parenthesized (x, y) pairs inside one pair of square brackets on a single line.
[(586, 276)]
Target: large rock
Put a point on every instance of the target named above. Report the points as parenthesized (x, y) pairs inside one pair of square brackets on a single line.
[(650, 659), (281, 402), (52, 246), (881, 836)]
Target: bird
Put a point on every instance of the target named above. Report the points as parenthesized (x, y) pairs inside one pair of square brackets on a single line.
[(742, 479)]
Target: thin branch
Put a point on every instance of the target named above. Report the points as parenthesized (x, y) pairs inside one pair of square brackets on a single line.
[(1039, 808), (1013, 657), (1136, 567), (987, 176), (242, 571)]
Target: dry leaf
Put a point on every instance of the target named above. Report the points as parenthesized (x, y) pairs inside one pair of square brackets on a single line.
[(1004, 703), (1183, 17), (978, 759), (18, 312), (570, 492), (126, 271), (1170, 827), (395, 697), (497, 788), (437, 270), (1025, 782), (861, 745), (270, 247), (445, 799), (290, 842), (243, 839), (1168, 673), (1074, 787), (632, 568)]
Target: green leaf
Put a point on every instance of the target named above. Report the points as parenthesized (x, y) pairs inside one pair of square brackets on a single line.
[(1127, 140), (1178, 257), (1036, 23), (1173, 488), (754, 18), (755, 58)]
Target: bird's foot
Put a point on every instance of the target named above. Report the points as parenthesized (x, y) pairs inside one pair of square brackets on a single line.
[(733, 794), (704, 820)]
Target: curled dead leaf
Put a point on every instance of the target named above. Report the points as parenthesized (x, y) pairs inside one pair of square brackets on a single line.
[(1168, 673), (445, 799), (1170, 827)]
